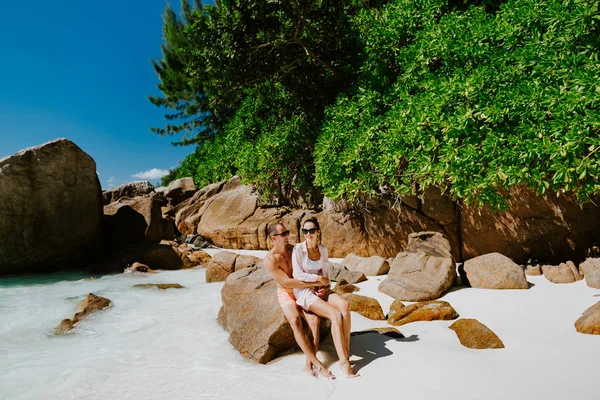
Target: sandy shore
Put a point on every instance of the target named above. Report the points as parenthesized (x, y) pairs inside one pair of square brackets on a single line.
[(544, 355)]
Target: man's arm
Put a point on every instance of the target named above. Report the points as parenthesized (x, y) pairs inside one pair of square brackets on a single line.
[(282, 279)]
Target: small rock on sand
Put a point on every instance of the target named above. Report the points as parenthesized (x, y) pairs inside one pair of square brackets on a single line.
[(475, 335)]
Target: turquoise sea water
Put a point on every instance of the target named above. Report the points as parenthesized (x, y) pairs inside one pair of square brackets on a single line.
[(150, 344)]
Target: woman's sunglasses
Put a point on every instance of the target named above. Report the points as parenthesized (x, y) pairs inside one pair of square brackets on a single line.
[(311, 230), (282, 234)]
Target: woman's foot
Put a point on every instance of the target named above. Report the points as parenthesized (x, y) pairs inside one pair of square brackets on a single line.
[(324, 372), (347, 370)]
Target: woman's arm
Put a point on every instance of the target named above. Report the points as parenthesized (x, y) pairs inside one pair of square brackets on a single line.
[(325, 261)]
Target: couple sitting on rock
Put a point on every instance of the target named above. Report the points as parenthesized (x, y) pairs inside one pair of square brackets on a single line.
[(301, 275)]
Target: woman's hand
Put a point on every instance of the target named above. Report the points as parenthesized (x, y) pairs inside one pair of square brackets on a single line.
[(324, 281), (323, 291)]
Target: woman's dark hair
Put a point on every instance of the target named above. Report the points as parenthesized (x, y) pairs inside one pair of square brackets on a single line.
[(314, 221)]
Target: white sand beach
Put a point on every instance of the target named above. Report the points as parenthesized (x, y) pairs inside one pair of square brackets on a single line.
[(167, 345)]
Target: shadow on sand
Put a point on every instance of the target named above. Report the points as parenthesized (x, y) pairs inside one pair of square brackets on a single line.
[(369, 346)]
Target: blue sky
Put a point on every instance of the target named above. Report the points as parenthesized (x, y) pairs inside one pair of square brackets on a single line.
[(80, 70)]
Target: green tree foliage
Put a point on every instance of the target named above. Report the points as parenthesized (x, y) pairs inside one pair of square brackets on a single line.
[(470, 100), (359, 98)]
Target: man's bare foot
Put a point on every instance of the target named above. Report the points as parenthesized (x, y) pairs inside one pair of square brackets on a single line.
[(347, 370)]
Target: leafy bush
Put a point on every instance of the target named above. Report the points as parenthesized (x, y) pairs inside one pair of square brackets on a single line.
[(473, 102)]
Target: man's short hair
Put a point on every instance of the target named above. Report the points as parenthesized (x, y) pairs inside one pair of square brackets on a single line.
[(272, 230)]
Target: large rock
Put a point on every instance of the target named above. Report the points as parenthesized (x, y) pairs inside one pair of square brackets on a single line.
[(550, 228), (424, 311), (590, 268), (419, 277), (131, 219), (589, 322), (180, 190), (495, 271), (563, 273), (50, 208), (337, 272), (131, 189), (168, 256), (366, 306), (432, 243), (475, 335), (221, 266), (370, 266), (224, 212), (189, 212), (251, 314), (91, 304)]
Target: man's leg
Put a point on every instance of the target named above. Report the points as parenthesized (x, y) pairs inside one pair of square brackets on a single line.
[(314, 323), (292, 314)]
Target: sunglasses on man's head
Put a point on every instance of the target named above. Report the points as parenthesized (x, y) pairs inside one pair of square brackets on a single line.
[(282, 234), (311, 230)]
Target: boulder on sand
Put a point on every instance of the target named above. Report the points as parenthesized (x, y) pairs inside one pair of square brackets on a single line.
[(424, 311), (590, 268), (370, 266), (90, 304), (337, 272), (252, 316), (475, 335), (50, 208), (563, 273), (495, 271), (365, 306), (589, 322)]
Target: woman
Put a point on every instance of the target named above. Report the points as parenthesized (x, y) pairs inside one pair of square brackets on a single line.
[(309, 261)]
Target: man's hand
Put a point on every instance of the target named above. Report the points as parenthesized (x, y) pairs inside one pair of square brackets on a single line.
[(323, 281)]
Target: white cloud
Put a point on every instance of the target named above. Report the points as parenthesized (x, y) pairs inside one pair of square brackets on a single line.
[(154, 173), (111, 180)]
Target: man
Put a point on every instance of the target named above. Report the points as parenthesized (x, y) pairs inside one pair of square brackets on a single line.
[(278, 263)]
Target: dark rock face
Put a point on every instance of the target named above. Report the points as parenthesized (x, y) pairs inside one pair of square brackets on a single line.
[(131, 189), (50, 208)]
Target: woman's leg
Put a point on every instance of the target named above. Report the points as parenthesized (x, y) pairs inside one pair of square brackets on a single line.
[(323, 309), (314, 323), (342, 306)]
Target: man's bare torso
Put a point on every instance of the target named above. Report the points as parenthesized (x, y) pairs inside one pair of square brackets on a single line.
[(284, 261)]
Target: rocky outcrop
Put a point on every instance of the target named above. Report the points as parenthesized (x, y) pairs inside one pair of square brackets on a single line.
[(563, 273), (589, 322), (396, 306), (161, 286), (252, 316), (337, 272), (343, 287), (424, 311), (533, 270), (133, 219), (172, 256), (131, 189), (424, 275), (365, 306), (475, 335), (89, 305), (370, 266), (590, 268), (50, 208), (548, 227), (189, 212), (495, 271), (221, 266), (179, 190), (138, 267)]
